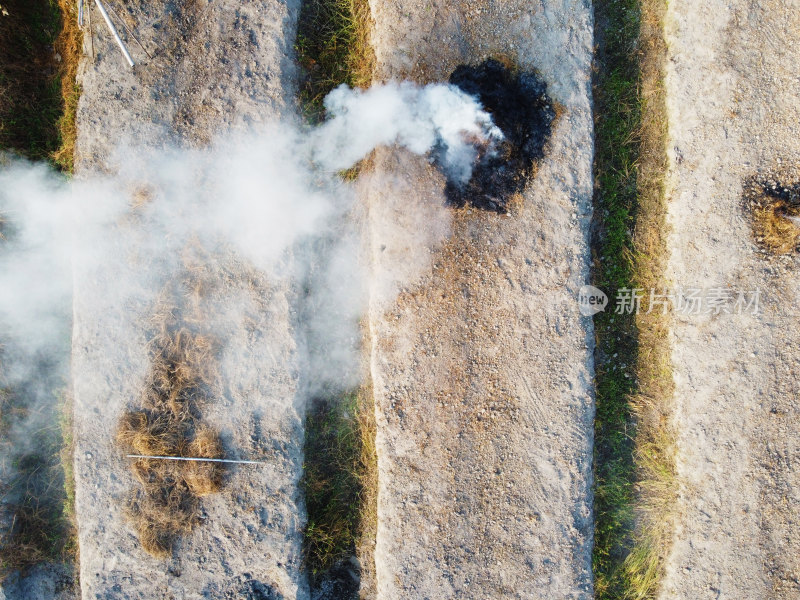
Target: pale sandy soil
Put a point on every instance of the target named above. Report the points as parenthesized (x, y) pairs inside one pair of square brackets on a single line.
[(215, 65), (480, 361), (482, 364), (732, 94)]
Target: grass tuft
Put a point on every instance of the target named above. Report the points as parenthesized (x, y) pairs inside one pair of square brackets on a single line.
[(40, 47), (333, 48), (339, 480), (182, 377), (634, 443), (774, 214)]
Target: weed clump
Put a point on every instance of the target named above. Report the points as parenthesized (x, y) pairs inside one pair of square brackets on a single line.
[(182, 377), (775, 214), (333, 48)]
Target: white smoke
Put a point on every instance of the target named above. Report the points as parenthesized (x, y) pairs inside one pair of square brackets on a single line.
[(260, 194), (417, 118)]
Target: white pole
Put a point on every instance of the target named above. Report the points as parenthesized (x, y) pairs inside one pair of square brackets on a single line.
[(80, 13), (91, 32), (114, 32), (219, 460)]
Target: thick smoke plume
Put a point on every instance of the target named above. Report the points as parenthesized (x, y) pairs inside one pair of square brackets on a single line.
[(262, 195), (434, 117)]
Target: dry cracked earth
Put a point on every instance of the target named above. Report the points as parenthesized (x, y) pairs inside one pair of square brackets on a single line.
[(481, 364)]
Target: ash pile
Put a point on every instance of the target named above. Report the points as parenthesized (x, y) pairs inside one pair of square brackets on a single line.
[(522, 110)]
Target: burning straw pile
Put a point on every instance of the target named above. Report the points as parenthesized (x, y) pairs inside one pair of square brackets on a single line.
[(182, 377)]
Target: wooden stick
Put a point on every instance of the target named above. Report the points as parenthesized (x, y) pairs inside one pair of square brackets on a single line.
[(188, 458), (114, 32)]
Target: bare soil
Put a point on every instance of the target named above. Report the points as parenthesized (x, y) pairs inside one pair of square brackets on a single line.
[(205, 68), (481, 362), (732, 90)]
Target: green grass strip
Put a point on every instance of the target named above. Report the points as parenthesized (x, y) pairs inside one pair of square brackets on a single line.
[(634, 443), (30, 92), (34, 484), (331, 481), (618, 109), (39, 49), (333, 49), (339, 483), (340, 465)]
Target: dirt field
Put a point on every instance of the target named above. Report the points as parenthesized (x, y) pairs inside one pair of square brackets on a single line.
[(214, 66), (482, 364), (732, 90)]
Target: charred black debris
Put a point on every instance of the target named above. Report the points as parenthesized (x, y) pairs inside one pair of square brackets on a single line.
[(521, 108)]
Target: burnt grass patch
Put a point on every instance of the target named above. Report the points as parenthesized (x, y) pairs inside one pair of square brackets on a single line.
[(774, 209), (521, 108)]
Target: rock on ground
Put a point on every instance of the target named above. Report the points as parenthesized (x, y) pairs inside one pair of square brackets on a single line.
[(732, 90), (481, 363), (215, 66)]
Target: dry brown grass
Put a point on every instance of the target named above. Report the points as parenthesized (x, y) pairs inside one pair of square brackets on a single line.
[(368, 476), (69, 46), (773, 228), (182, 378)]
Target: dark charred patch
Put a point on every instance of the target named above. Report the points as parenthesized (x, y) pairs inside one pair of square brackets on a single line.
[(774, 208), (521, 108)]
